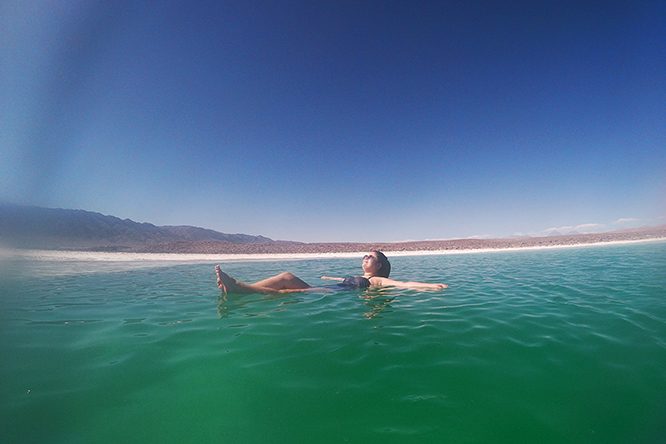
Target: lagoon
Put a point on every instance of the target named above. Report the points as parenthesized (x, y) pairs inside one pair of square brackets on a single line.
[(564, 345)]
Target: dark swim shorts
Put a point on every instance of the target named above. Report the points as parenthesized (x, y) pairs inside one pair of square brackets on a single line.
[(355, 282)]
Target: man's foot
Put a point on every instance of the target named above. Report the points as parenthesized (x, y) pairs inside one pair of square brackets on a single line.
[(230, 285), (225, 282)]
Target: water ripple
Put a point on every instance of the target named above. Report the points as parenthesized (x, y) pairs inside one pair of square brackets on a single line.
[(521, 346)]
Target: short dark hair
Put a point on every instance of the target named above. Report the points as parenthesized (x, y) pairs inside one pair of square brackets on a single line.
[(385, 268)]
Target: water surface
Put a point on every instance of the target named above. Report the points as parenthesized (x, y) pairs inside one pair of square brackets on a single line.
[(550, 346)]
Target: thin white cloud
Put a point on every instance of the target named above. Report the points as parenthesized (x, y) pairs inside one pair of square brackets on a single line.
[(574, 229), (591, 227), (626, 220), (564, 228)]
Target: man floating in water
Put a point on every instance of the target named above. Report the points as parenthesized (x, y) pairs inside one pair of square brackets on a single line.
[(376, 269)]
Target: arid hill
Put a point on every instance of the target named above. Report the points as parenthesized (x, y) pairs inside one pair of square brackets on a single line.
[(55, 228), (284, 247), (60, 229)]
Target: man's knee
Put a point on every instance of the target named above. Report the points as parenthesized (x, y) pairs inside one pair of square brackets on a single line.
[(287, 276)]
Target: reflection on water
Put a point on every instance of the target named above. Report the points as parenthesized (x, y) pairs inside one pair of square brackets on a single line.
[(374, 300), (262, 305), (377, 300), (253, 304)]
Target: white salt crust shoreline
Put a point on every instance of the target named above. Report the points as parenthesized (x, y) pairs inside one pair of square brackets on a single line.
[(86, 256)]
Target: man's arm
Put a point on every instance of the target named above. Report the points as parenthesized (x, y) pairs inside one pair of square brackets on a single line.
[(386, 282)]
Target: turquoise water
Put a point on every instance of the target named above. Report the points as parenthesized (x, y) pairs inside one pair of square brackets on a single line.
[(537, 346)]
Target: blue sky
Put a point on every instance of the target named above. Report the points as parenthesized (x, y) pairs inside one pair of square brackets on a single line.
[(341, 120)]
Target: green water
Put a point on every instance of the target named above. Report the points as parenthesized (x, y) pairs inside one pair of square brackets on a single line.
[(544, 346)]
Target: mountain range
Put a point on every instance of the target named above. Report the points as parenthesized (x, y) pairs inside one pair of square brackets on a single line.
[(55, 228), (62, 229)]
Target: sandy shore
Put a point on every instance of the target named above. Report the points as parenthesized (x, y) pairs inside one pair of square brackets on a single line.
[(86, 256)]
